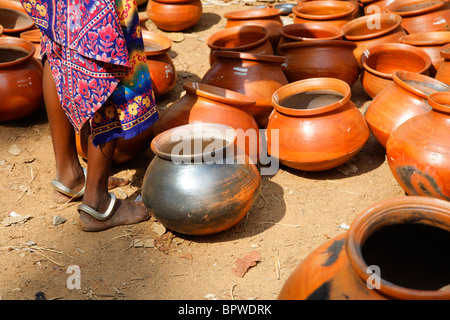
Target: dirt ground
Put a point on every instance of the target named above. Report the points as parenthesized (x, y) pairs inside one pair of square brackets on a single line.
[(294, 214)]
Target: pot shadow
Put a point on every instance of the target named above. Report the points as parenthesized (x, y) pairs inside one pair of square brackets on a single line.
[(207, 20)]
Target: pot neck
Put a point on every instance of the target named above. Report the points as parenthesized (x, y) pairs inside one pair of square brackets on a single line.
[(407, 9), (20, 44)]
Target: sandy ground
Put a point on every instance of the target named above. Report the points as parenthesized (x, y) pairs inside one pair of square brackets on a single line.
[(295, 213)]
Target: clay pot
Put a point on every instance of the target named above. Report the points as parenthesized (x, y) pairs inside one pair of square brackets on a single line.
[(201, 191), (431, 43), (245, 38), (1, 30), (394, 250), (319, 126), (257, 76), (374, 6), (160, 64), (422, 15), (336, 13), (418, 150), (14, 18), (35, 37), (443, 73), (372, 30), (174, 15), (268, 18), (321, 58), (309, 32), (126, 150), (210, 104), (381, 61), (20, 79), (404, 98)]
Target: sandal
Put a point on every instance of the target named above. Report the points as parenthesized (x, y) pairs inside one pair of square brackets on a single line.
[(97, 215), (58, 186)]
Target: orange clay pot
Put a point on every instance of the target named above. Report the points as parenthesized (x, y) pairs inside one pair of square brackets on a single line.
[(336, 13), (200, 191), (372, 30), (443, 73), (418, 151), (309, 32), (257, 76), (320, 58), (35, 37), (431, 43), (126, 150), (174, 15), (210, 104), (268, 18), (381, 61), (422, 15), (20, 79), (374, 6), (245, 38), (319, 126), (14, 18), (403, 99), (404, 240), (160, 64)]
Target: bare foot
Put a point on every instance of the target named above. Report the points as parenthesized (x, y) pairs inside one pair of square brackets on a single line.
[(113, 182), (126, 212)]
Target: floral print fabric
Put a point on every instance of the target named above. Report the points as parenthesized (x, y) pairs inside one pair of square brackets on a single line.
[(96, 53)]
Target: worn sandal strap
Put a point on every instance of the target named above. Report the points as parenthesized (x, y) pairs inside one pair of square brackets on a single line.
[(97, 215), (58, 186)]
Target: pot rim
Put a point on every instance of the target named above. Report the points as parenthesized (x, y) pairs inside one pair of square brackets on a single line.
[(173, 1), (339, 33), (32, 35), (165, 42), (17, 42), (445, 51), (1, 29), (193, 131), (325, 3), (440, 101), (249, 56), (21, 12), (400, 76), (310, 84), (349, 26), (394, 6), (432, 38), (319, 43), (260, 13), (390, 46), (215, 93), (230, 31), (383, 214)]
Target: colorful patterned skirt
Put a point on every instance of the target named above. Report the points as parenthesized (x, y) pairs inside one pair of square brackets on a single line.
[(96, 54)]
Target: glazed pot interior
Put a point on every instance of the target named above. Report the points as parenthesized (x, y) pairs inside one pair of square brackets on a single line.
[(195, 143), (372, 25), (325, 9), (440, 101), (305, 31), (15, 50), (406, 8), (434, 38), (419, 84), (13, 20), (237, 37), (407, 240), (155, 43)]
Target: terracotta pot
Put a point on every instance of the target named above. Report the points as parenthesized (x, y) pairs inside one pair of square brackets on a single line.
[(319, 126), (431, 43), (268, 18), (35, 37), (422, 15), (443, 73), (321, 58), (245, 38), (14, 18), (372, 30), (257, 76), (381, 61), (204, 191), (394, 250), (404, 98), (1, 30), (309, 32), (336, 13), (174, 15), (126, 150), (20, 79), (210, 104), (160, 64), (418, 150), (371, 6), (354, 2)]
